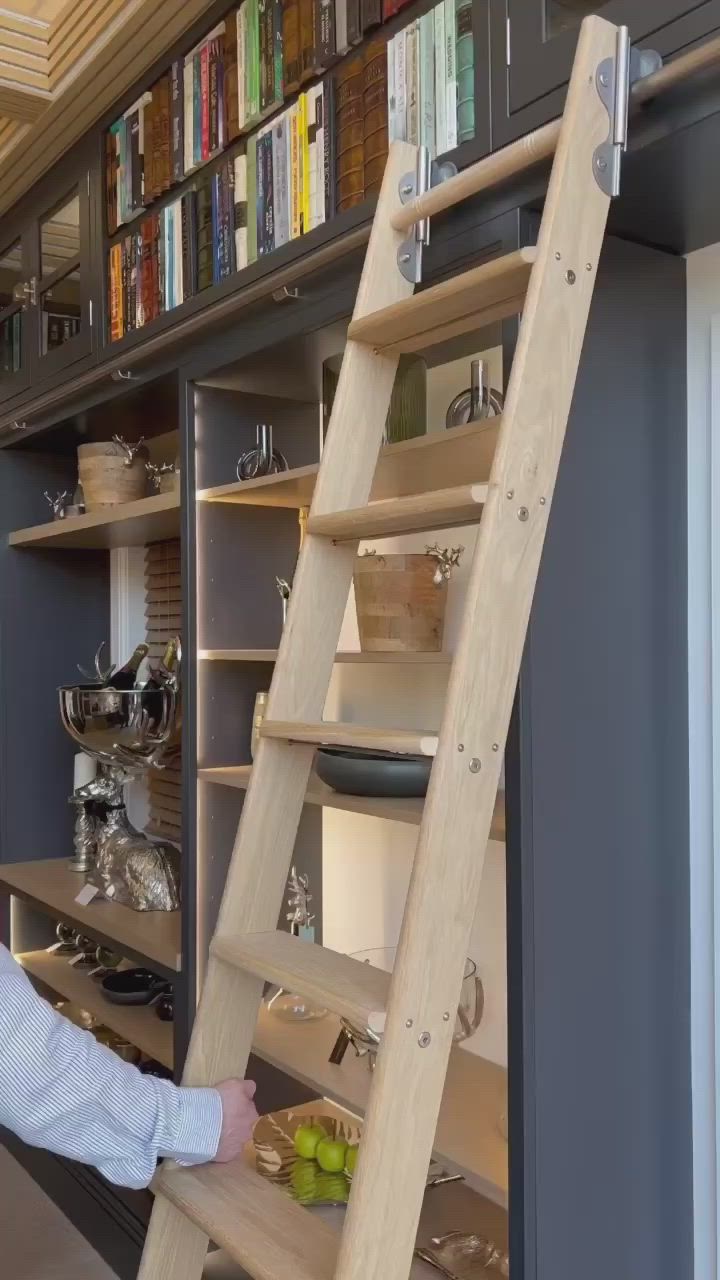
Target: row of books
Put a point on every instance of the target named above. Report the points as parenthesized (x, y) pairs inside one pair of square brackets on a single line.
[(254, 202), (262, 51), (321, 155)]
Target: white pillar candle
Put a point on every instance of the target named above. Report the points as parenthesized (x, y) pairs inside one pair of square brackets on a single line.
[(84, 771)]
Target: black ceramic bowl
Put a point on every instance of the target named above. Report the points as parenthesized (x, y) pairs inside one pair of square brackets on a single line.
[(133, 986), (373, 773)]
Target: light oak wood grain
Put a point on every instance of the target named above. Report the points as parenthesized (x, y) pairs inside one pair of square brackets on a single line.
[(438, 460), (391, 808), (443, 509), (130, 524), (348, 987), (139, 1025), (355, 657), (220, 1045), (258, 1224), (409, 1079), (466, 297), (335, 734), (150, 937)]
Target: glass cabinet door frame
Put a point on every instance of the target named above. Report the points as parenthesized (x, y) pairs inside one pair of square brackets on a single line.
[(540, 62), (14, 382), (48, 362)]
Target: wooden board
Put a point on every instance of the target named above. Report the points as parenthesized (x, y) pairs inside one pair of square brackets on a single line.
[(468, 1138), (357, 657), (415, 742), (132, 524), (419, 512), (141, 1026), (148, 937), (391, 808), (438, 460)]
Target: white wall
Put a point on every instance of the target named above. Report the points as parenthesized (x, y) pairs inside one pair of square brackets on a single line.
[(367, 861), (704, 736)]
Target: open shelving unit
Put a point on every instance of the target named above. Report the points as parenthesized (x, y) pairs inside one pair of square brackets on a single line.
[(137, 1024), (133, 524)]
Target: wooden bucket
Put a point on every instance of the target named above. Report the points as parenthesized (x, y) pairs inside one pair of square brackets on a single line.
[(400, 609), (105, 479)]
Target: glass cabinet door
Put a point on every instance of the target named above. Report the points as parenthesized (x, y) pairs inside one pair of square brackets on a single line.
[(543, 35), (14, 316), (61, 283)]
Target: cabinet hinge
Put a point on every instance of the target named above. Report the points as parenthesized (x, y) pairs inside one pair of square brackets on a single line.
[(508, 53)]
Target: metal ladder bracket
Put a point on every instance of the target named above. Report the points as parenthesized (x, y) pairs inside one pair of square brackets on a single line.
[(427, 174), (613, 79)]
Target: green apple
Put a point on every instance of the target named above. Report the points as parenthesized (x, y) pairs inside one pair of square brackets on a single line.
[(307, 1138), (303, 1178), (332, 1187), (351, 1156), (330, 1155)]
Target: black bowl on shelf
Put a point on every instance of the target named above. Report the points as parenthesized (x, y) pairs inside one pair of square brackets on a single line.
[(134, 986), (373, 773)]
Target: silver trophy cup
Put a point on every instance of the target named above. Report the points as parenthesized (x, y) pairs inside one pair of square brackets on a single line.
[(128, 732)]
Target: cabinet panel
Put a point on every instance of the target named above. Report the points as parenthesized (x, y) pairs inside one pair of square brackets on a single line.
[(61, 262), (533, 44), (14, 317)]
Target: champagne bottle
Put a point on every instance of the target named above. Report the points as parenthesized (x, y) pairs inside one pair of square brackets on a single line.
[(163, 677), (126, 677)]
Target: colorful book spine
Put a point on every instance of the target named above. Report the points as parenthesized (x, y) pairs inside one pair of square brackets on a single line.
[(311, 127), (268, 193), (291, 45), (370, 14), (230, 80), (188, 116), (342, 43), (240, 211), (427, 82), (242, 41), (295, 197), (197, 108), (307, 39), (280, 180), (465, 65), (319, 185), (177, 111), (441, 133), (278, 85), (450, 76), (253, 60), (205, 102), (328, 108), (325, 46), (354, 22), (252, 245), (304, 165), (214, 105)]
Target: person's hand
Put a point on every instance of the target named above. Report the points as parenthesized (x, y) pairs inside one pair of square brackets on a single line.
[(239, 1116)]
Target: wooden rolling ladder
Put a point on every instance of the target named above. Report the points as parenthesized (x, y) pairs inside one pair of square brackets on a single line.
[(270, 1236)]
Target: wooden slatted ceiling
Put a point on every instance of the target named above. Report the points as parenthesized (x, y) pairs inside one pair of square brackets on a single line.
[(91, 52), (163, 620)]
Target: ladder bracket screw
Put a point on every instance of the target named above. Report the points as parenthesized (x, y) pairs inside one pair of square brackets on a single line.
[(496, 746), (523, 513), (446, 1017), (542, 502), (406, 190), (461, 746), (601, 163), (404, 257), (424, 1039), (510, 494), (588, 266), (409, 1023), (570, 277), (558, 257), (475, 765)]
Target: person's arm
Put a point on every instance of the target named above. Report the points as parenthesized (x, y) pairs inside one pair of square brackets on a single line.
[(62, 1090)]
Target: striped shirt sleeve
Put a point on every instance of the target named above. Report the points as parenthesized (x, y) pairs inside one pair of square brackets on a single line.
[(61, 1090)]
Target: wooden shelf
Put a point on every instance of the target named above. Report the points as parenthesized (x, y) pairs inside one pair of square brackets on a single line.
[(140, 1025), (148, 937), (438, 460), (358, 657), (390, 808), (132, 524), (468, 1138)]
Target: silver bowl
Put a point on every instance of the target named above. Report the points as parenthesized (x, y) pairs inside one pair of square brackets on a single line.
[(130, 728)]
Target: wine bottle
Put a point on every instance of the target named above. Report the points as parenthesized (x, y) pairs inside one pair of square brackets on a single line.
[(163, 677), (126, 677)]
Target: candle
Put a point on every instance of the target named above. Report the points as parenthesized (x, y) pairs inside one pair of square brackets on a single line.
[(84, 771)]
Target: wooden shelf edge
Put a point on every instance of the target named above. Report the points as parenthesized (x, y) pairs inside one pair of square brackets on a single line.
[(134, 520), (347, 656), (149, 938), (391, 809), (137, 1024)]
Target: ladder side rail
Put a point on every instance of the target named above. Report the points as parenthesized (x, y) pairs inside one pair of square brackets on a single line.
[(389, 1182)]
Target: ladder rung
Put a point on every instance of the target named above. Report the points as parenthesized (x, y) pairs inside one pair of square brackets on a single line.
[(261, 1228), (410, 742), (437, 509), (481, 296), (348, 987)]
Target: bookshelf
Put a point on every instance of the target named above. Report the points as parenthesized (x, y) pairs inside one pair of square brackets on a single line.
[(205, 173)]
